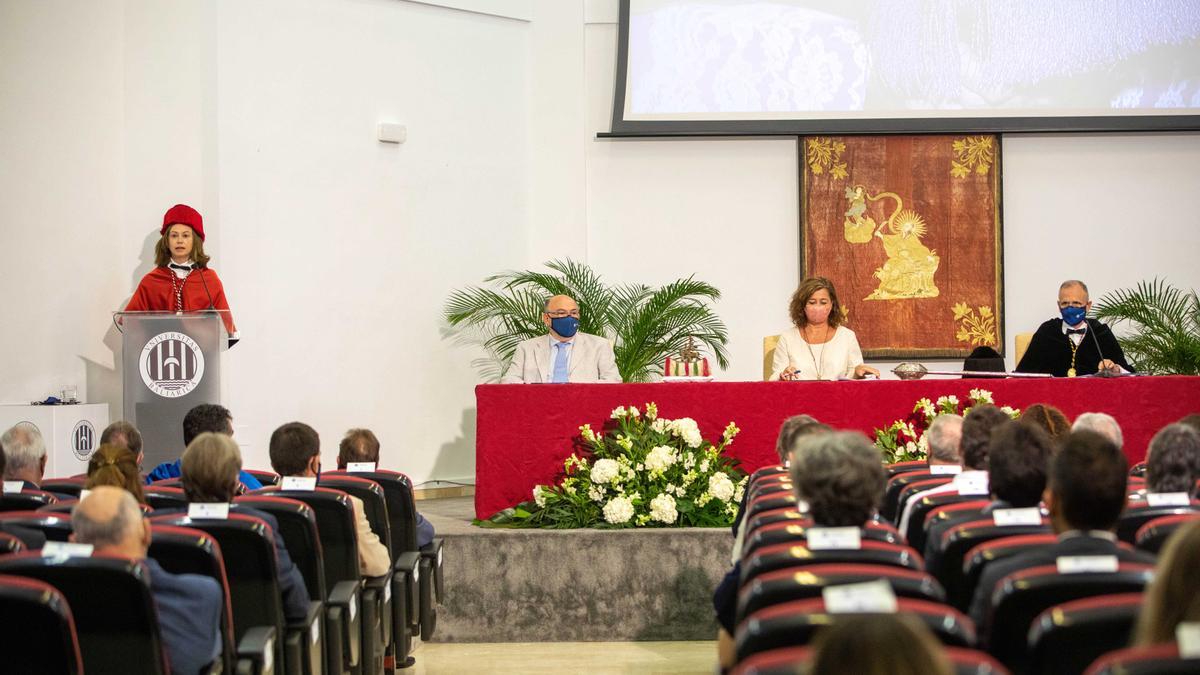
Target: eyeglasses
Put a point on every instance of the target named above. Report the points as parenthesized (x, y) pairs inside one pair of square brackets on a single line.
[(560, 313)]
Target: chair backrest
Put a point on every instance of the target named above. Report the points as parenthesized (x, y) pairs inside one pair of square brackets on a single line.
[(923, 507), (959, 540), (1161, 659), (888, 508), (786, 514), (1066, 638), (916, 487), (1138, 470), (39, 629), (10, 544), (264, 477), (176, 481), (977, 558), (165, 497), (298, 527), (769, 486), (25, 500), (186, 550), (64, 486), (808, 581), (1021, 596), (794, 623), (1136, 515), (1020, 344), (1152, 535), (401, 506), (114, 612), (335, 527), (779, 556), (769, 344), (790, 660), (55, 526), (798, 531), (898, 468), (373, 499), (763, 473), (769, 502)]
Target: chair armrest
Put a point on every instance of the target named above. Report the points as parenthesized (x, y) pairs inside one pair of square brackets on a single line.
[(381, 588), (433, 553), (404, 578), (306, 634), (345, 598), (256, 651)]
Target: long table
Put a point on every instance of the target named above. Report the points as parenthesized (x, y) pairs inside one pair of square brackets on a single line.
[(524, 432)]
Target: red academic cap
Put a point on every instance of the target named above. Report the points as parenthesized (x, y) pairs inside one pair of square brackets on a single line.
[(184, 215)]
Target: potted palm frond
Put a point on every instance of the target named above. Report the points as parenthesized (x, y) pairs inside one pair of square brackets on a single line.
[(1164, 321), (646, 323)]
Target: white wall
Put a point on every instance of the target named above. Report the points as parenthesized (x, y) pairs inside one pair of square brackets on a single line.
[(338, 251)]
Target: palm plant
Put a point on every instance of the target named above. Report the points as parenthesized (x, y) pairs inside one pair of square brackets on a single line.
[(1165, 337), (647, 323)]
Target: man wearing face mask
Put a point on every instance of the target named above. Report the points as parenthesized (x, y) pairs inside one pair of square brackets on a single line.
[(1073, 344), (565, 354)]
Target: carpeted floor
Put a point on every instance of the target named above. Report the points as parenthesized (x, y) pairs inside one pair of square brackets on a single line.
[(574, 585)]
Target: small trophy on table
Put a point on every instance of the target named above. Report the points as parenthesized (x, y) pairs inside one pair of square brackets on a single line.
[(688, 365)]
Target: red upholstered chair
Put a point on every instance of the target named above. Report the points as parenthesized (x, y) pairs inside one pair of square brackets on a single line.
[(65, 506), (799, 583), (10, 544), (1066, 638), (891, 492), (797, 531), (770, 486), (169, 482), (778, 500), (906, 467), (767, 471), (916, 487), (264, 477), (55, 526), (165, 497), (779, 556), (64, 486), (1140, 513), (1152, 535), (39, 629), (25, 500), (1138, 470), (1022, 596), (981, 555), (788, 660), (794, 623), (923, 507), (785, 514), (1161, 659), (955, 544)]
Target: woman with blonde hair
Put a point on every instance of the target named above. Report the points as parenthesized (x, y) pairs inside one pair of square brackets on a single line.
[(1174, 595), (116, 466), (818, 346)]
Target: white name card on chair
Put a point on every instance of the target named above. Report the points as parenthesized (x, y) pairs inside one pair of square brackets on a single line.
[(834, 538), (13, 486), (305, 483), (1168, 499), (1013, 517), (971, 484), (944, 469), (869, 597), (361, 467), (1187, 636), (63, 550), (218, 511), (83, 494), (1082, 564)]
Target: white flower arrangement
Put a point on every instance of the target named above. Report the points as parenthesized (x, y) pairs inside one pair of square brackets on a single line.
[(605, 470), (662, 509), (618, 510), (660, 458), (904, 439), (720, 487)]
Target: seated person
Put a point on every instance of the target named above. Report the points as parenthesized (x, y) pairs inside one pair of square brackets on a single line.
[(565, 355), (296, 451), (1173, 597), (116, 466), (25, 453), (188, 605), (205, 417), (211, 464), (1102, 423), (33, 539), (974, 442), (1085, 496), (1047, 418), (124, 435), (1063, 347), (817, 346), (1173, 460), (840, 476), (878, 644), (361, 445)]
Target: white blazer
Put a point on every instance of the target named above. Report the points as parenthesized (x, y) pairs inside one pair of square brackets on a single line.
[(837, 358), (591, 360)]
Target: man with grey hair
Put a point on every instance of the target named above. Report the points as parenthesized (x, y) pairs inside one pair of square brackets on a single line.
[(1173, 460), (565, 354), (840, 476), (1072, 344), (188, 605), (25, 454), (1102, 423), (945, 440)]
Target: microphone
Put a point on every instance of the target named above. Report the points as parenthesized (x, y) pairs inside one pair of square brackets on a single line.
[(200, 271), (1100, 372)]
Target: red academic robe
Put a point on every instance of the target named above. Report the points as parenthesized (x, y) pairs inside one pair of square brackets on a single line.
[(155, 293)]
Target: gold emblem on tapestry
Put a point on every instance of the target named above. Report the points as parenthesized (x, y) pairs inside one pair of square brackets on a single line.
[(973, 153), (908, 271), (825, 154), (975, 328)]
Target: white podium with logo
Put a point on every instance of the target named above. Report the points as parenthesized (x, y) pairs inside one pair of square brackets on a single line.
[(71, 432), (171, 364)]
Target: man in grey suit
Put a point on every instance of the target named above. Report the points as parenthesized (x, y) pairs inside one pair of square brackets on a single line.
[(565, 354)]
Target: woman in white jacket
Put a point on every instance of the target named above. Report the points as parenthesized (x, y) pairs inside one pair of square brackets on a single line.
[(817, 346)]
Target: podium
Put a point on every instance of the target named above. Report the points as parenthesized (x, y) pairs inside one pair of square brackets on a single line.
[(170, 364)]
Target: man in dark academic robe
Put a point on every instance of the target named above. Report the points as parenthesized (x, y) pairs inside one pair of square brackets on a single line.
[(1073, 344)]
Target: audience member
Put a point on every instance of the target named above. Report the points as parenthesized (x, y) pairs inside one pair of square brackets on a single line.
[(1047, 418), (1103, 424), (123, 435), (1173, 460), (25, 454), (1192, 420), (944, 436), (204, 418), (116, 466), (1174, 595), (361, 445), (1085, 497), (31, 538), (188, 605), (211, 464), (296, 451), (878, 644), (840, 477)]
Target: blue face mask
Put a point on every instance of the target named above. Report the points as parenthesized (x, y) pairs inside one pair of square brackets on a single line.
[(565, 326), (1073, 315)]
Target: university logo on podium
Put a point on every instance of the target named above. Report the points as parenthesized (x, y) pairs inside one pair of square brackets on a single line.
[(83, 440), (171, 364)]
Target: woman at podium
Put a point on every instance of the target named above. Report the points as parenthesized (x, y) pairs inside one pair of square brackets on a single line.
[(181, 280)]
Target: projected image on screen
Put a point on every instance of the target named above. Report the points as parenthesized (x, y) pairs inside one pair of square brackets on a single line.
[(812, 59)]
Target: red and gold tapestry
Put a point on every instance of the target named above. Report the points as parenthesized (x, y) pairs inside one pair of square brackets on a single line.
[(908, 230)]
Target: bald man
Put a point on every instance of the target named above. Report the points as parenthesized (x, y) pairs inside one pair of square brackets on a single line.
[(565, 354), (189, 605)]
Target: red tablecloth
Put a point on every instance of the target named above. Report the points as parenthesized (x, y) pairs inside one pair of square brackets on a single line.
[(524, 432)]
